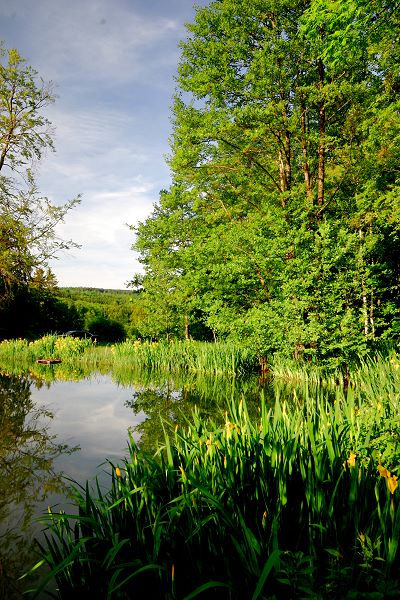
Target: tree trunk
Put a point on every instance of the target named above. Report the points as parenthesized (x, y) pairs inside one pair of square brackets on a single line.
[(304, 148), (186, 327), (321, 141), (365, 309), (371, 315)]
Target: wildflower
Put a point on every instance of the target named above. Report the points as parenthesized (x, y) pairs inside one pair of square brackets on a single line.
[(383, 472), (118, 472), (392, 483), (351, 461), (391, 479), (264, 518), (230, 427), (182, 473)]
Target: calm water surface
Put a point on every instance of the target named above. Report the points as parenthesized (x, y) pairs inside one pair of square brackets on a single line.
[(52, 427), (93, 414)]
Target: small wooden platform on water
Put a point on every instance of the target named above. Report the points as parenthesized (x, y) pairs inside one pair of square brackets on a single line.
[(48, 361)]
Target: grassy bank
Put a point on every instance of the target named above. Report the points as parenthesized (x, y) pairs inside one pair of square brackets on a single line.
[(300, 503), (220, 358)]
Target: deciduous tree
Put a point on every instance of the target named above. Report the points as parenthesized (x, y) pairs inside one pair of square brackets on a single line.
[(285, 154), (28, 220)]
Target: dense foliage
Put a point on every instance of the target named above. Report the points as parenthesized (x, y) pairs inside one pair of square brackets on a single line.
[(300, 502), (28, 237), (281, 226), (111, 314)]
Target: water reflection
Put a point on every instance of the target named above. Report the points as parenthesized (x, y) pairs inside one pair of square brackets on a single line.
[(27, 476), (53, 403), (167, 400)]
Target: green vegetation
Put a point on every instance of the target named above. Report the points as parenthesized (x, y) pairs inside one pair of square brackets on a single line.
[(221, 358), (28, 221), (111, 314), (301, 502), (281, 227), (279, 240), (28, 452)]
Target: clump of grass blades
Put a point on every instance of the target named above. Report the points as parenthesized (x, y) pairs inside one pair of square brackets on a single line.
[(219, 358), (49, 346), (294, 505)]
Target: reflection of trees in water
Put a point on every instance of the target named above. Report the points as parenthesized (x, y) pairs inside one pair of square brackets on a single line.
[(168, 401), (27, 453)]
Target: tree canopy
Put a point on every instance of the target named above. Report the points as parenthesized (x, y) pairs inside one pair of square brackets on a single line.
[(281, 226), (28, 220)]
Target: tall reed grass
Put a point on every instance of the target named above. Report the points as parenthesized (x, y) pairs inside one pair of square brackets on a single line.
[(299, 503), (49, 346), (220, 358)]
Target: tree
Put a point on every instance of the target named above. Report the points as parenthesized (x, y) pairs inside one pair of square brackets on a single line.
[(28, 220), (285, 153)]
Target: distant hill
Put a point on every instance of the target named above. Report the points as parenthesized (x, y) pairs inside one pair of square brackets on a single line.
[(104, 309)]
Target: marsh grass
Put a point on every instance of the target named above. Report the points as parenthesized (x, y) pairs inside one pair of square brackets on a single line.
[(22, 351), (220, 358), (298, 503)]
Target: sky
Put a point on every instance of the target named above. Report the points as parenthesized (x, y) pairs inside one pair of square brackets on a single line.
[(113, 64)]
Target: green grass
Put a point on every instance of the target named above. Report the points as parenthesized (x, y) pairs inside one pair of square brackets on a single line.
[(299, 503), (221, 358)]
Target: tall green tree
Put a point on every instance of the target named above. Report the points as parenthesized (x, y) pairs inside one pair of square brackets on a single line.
[(28, 221), (285, 154)]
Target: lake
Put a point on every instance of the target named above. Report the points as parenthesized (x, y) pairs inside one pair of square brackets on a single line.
[(57, 425)]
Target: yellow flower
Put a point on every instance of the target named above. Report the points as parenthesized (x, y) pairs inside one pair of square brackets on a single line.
[(264, 519), (392, 483), (118, 472), (383, 472), (391, 479), (351, 461), (182, 473)]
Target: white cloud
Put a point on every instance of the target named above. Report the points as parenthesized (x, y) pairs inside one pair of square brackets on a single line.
[(113, 65), (100, 227)]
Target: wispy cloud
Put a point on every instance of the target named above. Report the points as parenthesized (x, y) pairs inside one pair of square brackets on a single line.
[(113, 65), (93, 40)]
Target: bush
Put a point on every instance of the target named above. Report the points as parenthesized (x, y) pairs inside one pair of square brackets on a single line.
[(106, 329)]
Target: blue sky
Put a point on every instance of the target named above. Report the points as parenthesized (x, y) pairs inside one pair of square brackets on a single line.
[(112, 63)]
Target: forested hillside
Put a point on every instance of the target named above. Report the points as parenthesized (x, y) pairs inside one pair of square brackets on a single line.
[(110, 314), (281, 226)]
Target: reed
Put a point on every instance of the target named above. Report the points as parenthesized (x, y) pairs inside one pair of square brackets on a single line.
[(221, 358), (297, 503), (50, 346)]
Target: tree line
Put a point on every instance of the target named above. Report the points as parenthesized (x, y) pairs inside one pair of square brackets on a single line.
[(281, 225), (280, 228)]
